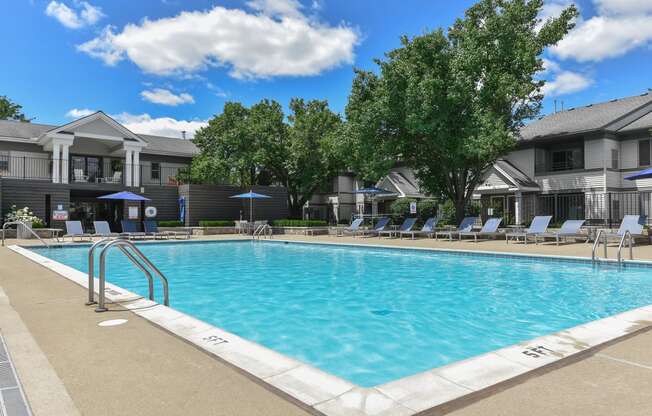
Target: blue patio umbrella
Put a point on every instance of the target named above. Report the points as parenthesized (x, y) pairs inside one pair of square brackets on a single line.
[(251, 195), (124, 196), (644, 174)]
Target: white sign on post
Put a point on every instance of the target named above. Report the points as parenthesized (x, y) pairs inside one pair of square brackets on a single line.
[(133, 213), (413, 207), (60, 215)]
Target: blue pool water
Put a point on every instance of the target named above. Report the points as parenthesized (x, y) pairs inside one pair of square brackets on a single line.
[(373, 315)]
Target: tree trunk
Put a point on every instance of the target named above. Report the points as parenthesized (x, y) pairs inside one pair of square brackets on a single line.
[(460, 205)]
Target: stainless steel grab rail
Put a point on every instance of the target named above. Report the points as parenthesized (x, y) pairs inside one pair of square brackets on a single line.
[(19, 223), (91, 269), (596, 244), (120, 242), (262, 230), (620, 246)]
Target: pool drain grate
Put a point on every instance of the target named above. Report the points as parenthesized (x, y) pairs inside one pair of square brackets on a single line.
[(12, 399)]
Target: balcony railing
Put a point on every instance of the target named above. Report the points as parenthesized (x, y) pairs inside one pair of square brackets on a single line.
[(107, 172)]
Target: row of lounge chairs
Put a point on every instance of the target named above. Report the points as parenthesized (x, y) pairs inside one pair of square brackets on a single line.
[(537, 231), (74, 230)]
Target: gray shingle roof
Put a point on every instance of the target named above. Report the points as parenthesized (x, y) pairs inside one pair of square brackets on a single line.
[(520, 178), (581, 119), (644, 122), (156, 144)]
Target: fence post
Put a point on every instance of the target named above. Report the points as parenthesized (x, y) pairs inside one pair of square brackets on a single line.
[(609, 210), (24, 164)]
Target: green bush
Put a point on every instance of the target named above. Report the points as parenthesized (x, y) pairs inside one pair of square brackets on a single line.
[(217, 223), (427, 208), (299, 223), (400, 209), (36, 225), (170, 224), (448, 211)]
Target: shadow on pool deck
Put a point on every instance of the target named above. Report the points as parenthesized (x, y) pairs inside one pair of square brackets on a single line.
[(140, 369)]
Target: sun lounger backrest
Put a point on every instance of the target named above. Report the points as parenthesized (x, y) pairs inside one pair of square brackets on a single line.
[(430, 224), (102, 227), (633, 223), (74, 228), (150, 226), (381, 224), (356, 223), (491, 225), (539, 224), (407, 224), (467, 224), (571, 227), (129, 226)]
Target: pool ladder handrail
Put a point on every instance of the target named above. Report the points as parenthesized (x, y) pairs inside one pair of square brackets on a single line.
[(627, 235), (135, 256), (263, 230), (19, 223)]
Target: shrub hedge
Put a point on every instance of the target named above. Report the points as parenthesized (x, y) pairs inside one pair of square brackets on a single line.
[(170, 224), (299, 223), (216, 223)]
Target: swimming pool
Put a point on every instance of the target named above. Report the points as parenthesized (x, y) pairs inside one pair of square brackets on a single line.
[(373, 315)]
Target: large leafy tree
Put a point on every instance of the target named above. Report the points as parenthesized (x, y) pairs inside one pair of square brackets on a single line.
[(10, 110), (449, 104), (258, 146)]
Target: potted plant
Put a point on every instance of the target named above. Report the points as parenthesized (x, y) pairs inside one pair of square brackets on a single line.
[(27, 217)]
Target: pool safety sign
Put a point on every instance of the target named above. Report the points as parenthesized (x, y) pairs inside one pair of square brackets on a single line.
[(133, 213), (413, 207), (60, 215)]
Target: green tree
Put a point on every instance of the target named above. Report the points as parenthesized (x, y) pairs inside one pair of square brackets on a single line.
[(10, 110), (449, 104), (257, 146)]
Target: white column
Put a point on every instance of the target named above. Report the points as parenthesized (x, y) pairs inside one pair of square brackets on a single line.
[(128, 167), (136, 177), (65, 167), (518, 208), (56, 156)]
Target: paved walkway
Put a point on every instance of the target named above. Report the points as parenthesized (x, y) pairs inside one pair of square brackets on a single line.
[(139, 369)]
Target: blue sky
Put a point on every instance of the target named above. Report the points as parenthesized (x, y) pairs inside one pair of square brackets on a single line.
[(161, 66)]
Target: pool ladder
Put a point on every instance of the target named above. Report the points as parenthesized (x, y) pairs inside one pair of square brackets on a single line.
[(136, 256), (627, 236), (263, 230), (20, 224)]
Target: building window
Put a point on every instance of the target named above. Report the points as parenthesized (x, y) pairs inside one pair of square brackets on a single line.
[(4, 163), (567, 159), (643, 152), (156, 171), (614, 158)]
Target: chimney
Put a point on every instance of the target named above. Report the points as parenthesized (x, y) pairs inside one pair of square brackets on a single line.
[(183, 134)]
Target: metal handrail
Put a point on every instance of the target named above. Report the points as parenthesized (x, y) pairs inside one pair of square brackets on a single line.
[(91, 269), (620, 245), (262, 230), (4, 227), (597, 243), (120, 242)]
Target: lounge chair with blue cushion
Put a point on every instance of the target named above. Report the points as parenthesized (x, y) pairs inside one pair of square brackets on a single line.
[(428, 229), (489, 229), (569, 229), (353, 229), (465, 226), (75, 229), (151, 228), (539, 225), (130, 230), (406, 226), (102, 229), (381, 225)]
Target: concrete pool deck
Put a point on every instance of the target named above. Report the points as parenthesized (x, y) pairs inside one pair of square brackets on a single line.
[(137, 368)]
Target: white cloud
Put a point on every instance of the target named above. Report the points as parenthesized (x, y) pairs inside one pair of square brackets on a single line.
[(166, 97), (159, 126), (623, 6), (566, 82), (275, 40), (619, 27), (83, 14), (552, 9), (79, 112)]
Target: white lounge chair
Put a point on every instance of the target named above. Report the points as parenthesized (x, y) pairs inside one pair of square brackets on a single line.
[(490, 228), (632, 223), (539, 225), (465, 226), (377, 229), (428, 229), (407, 225), (74, 230), (353, 229), (569, 229), (102, 229), (151, 228)]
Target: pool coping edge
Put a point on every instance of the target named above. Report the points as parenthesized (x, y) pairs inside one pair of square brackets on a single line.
[(317, 391)]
